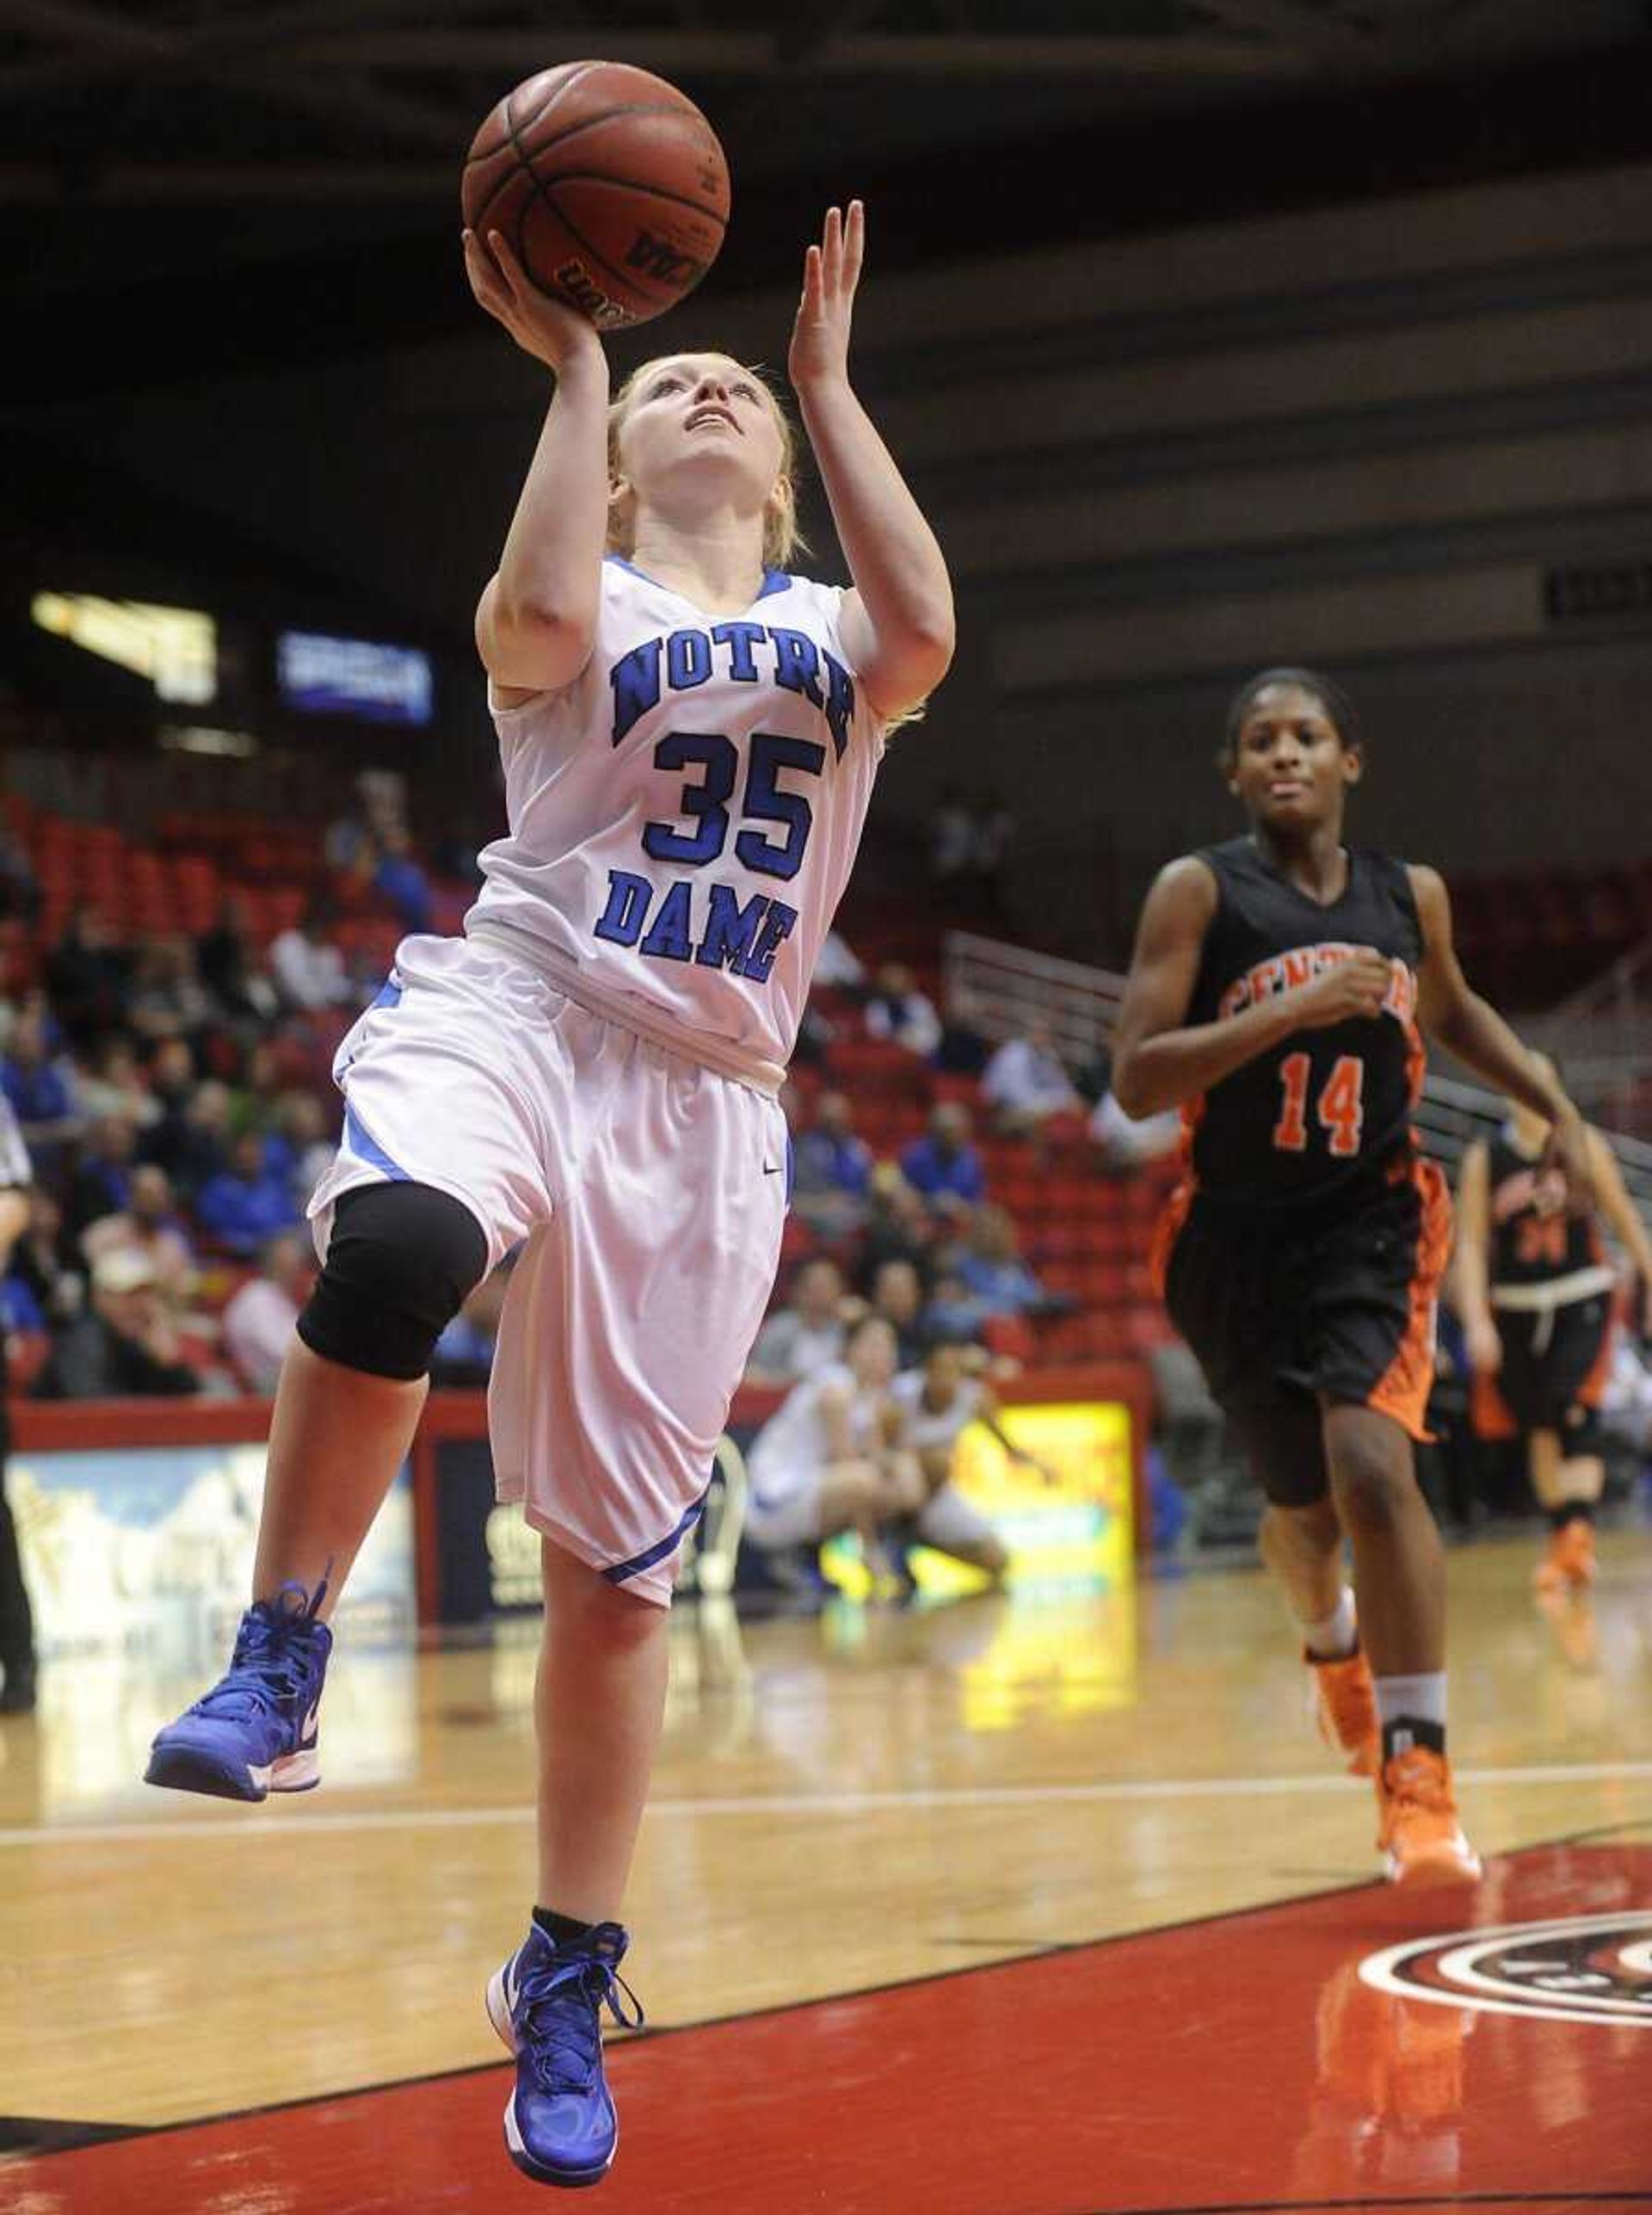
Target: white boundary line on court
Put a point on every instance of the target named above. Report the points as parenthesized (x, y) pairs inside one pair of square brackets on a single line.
[(1148, 1789)]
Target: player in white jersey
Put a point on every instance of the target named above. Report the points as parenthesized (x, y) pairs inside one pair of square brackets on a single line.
[(829, 1458), (938, 1403), (689, 737)]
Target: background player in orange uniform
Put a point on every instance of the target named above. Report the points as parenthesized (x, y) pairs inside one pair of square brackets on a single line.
[(1535, 1291), (1274, 996)]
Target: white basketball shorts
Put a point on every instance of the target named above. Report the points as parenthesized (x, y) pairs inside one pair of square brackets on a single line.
[(643, 1197)]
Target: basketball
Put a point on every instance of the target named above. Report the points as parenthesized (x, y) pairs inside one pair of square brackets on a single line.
[(608, 184)]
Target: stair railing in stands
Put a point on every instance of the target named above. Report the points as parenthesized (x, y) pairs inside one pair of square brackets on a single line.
[(999, 988)]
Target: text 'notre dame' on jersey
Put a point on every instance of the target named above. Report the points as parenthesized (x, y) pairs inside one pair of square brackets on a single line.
[(1318, 1114)]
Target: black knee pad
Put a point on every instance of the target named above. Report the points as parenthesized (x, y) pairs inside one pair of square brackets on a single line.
[(400, 1260)]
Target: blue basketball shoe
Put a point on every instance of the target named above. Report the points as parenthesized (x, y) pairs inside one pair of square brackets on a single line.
[(255, 1733), (546, 2004)]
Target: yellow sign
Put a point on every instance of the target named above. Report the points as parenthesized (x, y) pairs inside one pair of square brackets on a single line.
[(1066, 1521)]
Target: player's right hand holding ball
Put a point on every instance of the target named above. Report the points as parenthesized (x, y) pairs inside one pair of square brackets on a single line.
[(547, 328)]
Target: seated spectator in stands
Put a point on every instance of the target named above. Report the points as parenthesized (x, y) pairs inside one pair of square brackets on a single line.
[(463, 1352), (247, 1205), (43, 1262), (897, 1010), (191, 1141), (963, 1051), (301, 1142), (897, 1296), (832, 1167), (400, 878), (101, 1184), (989, 1263), (148, 1226), (308, 968), (126, 1345), (20, 889), (115, 1086), (806, 1334), (952, 838), (943, 1165), (1124, 1142), (815, 1034), (86, 978), (953, 1313), (39, 1084), (230, 967), (1027, 1082), (258, 1322), (167, 999), (994, 835), (837, 968), (256, 1096), (171, 1077), (899, 1227)]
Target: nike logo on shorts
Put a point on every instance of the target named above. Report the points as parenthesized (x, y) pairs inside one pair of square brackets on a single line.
[(771, 1169)]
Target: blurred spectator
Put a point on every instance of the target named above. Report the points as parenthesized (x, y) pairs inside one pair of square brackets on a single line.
[(39, 1085), (1027, 1082), (943, 1165), (896, 1009), (101, 1184), (994, 835), (300, 1143), (126, 1346), (39, 1262), (401, 879), (247, 1205), (897, 1296), (833, 1167), (116, 1086), (230, 969), (989, 1265), (837, 968), (167, 999), (898, 1227), (192, 1142), (806, 1334), (1124, 1142), (148, 1226), (953, 1313), (464, 1353), (309, 969), (20, 889), (951, 837), (86, 978), (259, 1321), (962, 1051)]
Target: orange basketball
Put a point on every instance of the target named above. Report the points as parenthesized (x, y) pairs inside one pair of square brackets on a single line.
[(608, 184)]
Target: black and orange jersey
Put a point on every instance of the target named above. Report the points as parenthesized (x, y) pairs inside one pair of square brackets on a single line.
[(1319, 1116), (1533, 1240)]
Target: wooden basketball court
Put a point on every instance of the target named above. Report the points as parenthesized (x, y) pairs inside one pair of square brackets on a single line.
[(1032, 1832)]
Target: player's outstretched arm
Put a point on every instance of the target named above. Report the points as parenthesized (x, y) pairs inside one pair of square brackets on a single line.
[(1452, 1013), (1472, 1281), (1159, 1061), (537, 617), (897, 623), (1622, 1214)]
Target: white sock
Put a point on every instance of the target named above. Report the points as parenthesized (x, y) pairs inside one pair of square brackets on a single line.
[(1420, 1698), (1337, 1636)]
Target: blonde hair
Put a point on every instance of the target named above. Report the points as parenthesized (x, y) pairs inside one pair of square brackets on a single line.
[(781, 536)]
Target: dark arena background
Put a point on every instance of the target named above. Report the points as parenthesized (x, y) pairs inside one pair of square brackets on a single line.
[(1209, 334)]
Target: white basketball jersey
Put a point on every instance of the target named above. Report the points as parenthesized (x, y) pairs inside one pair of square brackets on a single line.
[(793, 1445), (925, 1431), (684, 816)]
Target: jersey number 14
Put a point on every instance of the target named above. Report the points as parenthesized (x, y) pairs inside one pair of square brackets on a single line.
[(1340, 1109)]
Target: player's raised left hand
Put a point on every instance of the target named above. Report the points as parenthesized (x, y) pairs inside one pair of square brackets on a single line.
[(831, 270)]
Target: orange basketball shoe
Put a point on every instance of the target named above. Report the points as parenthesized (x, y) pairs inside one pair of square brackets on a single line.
[(1569, 1563), (1344, 1703), (1418, 1832)]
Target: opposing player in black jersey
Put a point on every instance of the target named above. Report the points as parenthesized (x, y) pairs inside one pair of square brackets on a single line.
[(1535, 1291), (1274, 996)]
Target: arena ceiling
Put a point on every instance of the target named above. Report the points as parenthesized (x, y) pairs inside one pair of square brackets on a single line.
[(188, 182)]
